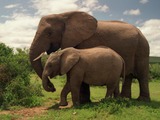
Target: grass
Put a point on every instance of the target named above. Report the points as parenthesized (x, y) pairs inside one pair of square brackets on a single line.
[(109, 109)]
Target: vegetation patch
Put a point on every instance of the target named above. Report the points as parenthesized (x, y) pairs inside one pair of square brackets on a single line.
[(20, 87), (15, 87)]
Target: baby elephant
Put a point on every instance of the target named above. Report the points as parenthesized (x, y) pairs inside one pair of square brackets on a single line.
[(95, 66)]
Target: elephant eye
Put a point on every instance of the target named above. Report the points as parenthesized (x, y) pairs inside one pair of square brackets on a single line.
[(49, 33)]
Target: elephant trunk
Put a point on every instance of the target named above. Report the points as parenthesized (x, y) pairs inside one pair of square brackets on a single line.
[(47, 85), (36, 49), (37, 65)]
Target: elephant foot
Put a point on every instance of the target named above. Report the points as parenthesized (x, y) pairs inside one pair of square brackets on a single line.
[(76, 103), (144, 98), (125, 95), (84, 101), (63, 103)]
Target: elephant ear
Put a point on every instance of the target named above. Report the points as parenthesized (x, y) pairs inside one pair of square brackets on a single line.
[(79, 26), (68, 60)]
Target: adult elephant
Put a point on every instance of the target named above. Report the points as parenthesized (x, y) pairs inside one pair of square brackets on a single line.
[(81, 30)]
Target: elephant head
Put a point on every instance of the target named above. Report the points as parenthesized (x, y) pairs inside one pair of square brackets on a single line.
[(60, 31), (58, 63)]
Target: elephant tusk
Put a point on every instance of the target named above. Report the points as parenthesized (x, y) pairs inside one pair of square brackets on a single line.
[(39, 56)]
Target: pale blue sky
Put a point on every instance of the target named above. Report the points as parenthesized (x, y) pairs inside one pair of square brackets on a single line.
[(19, 18)]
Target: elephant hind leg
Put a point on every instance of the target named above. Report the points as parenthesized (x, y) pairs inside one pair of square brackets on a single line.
[(126, 87), (142, 67), (116, 91), (110, 90), (144, 91)]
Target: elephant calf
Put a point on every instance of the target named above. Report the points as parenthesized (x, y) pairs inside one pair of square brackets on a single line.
[(95, 66)]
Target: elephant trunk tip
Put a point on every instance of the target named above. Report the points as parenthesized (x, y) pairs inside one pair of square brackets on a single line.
[(50, 88), (47, 85), (53, 89)]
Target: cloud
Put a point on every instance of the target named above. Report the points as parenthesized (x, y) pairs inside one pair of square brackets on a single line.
[(5, 16), (44, 7), (139, 22), (11, 6), (19, 30), (144, 1), (151, 30), (93, 5), (132, 12)]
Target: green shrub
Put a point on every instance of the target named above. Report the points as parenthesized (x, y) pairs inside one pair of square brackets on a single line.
[(19, 94), (155, 71), (15, 87)]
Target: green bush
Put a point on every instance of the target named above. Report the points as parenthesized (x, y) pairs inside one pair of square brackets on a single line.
[(15, 87), (155, 71), (17, 93)]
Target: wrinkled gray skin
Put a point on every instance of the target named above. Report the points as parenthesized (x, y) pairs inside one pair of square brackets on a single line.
[(95, 66), (81, 30)]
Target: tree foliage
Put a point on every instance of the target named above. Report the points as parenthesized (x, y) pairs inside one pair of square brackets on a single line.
[(15, 69), (155, 71)]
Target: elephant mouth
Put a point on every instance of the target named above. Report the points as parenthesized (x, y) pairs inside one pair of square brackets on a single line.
[(53, 74), (53, 48)]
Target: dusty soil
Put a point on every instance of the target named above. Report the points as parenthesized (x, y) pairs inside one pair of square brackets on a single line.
[(26, 113)]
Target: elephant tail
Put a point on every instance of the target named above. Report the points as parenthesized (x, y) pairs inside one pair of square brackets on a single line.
[(123, 71)]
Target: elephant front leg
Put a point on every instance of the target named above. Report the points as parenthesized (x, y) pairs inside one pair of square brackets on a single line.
[(66, 89), (84, 93), (75, 96), (75, 85)]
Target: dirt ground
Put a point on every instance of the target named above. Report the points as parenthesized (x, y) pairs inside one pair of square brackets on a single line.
[(28, 113)]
